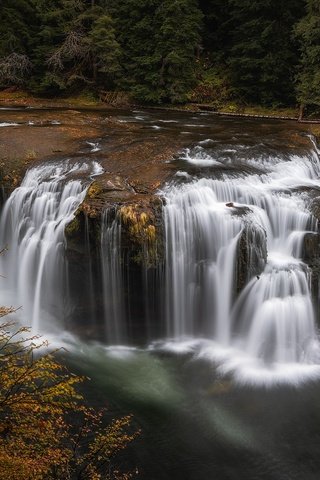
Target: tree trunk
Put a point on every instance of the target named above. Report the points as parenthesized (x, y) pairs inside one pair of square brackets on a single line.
[(301, 110), (163, 64)]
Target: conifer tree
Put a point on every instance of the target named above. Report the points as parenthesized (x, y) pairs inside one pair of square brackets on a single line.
[(78, 45), (159, 41), (308, 79), (263, 56), (16, 27), (105, 51), (54, 17), (177, 42), (17, 30), (216, 29), (135, 26)]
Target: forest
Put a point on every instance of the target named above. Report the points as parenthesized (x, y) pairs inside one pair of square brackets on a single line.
[(263, 52)]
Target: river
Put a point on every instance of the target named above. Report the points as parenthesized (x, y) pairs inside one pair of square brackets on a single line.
[(218, 358)]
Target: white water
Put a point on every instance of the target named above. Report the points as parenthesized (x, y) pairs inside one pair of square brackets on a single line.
[(199, 157), (112, 278), (201, 245), (268, 333), (32, 228), (95, 146), (8, 124)]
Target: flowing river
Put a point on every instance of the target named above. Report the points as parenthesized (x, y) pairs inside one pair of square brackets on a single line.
[(222, 367)]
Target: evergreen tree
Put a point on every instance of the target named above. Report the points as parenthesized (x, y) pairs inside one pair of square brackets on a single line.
[(135, 26), (17, 18), (159, 41), (159, 49), (308, 79), (263, 56), (17, 30), (78, 45), (216, 31), (105, 51), (177, 43), (54, 17)]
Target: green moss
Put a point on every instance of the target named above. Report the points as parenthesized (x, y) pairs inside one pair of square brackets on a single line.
[(142, 234), (73, 228), (94, 190)]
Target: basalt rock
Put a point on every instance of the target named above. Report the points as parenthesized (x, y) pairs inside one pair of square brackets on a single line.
[(251, 255), (315, 208), (311, 256), (140, 251), (140, 216), (311, 248), (142, 231)]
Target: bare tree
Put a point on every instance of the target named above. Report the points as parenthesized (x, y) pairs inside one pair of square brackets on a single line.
[(73, 48), (14, 68)]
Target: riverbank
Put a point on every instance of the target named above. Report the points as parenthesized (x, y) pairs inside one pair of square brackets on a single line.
[(87, 101)]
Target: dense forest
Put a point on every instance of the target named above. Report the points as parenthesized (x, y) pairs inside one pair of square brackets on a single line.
[(264, 52)]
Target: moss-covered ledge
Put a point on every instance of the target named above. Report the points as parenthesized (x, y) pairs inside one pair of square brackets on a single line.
[(140, 216)]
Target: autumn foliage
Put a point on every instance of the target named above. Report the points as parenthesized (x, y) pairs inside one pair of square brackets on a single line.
[(46, 431)]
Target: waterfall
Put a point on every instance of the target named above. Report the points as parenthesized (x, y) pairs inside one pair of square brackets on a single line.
[(223, 220), (201, 244), (113, 279), (32, 228), (270, 327)]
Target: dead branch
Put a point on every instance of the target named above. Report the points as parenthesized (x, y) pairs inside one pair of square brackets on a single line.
[(14, 68), (74, 47)]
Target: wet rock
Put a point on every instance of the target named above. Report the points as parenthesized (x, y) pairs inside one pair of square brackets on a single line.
[(140, 252), (315, 208), (251, 255), (311, 256), (315, 285), (311, 248), (139, 212), (239, 210), (142, 231)]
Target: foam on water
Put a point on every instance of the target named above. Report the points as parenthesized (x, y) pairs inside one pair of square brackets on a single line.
[(267, 334), (199, 157), (95, 146), (9, 124)]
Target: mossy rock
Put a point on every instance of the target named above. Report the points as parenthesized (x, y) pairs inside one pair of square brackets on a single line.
[(94, 190), (73, 228), (142, 233)]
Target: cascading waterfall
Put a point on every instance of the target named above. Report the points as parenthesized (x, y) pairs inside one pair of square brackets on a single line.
[(261, 331), (112, 278), (201, 246), (270, 327), (32, 227)]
